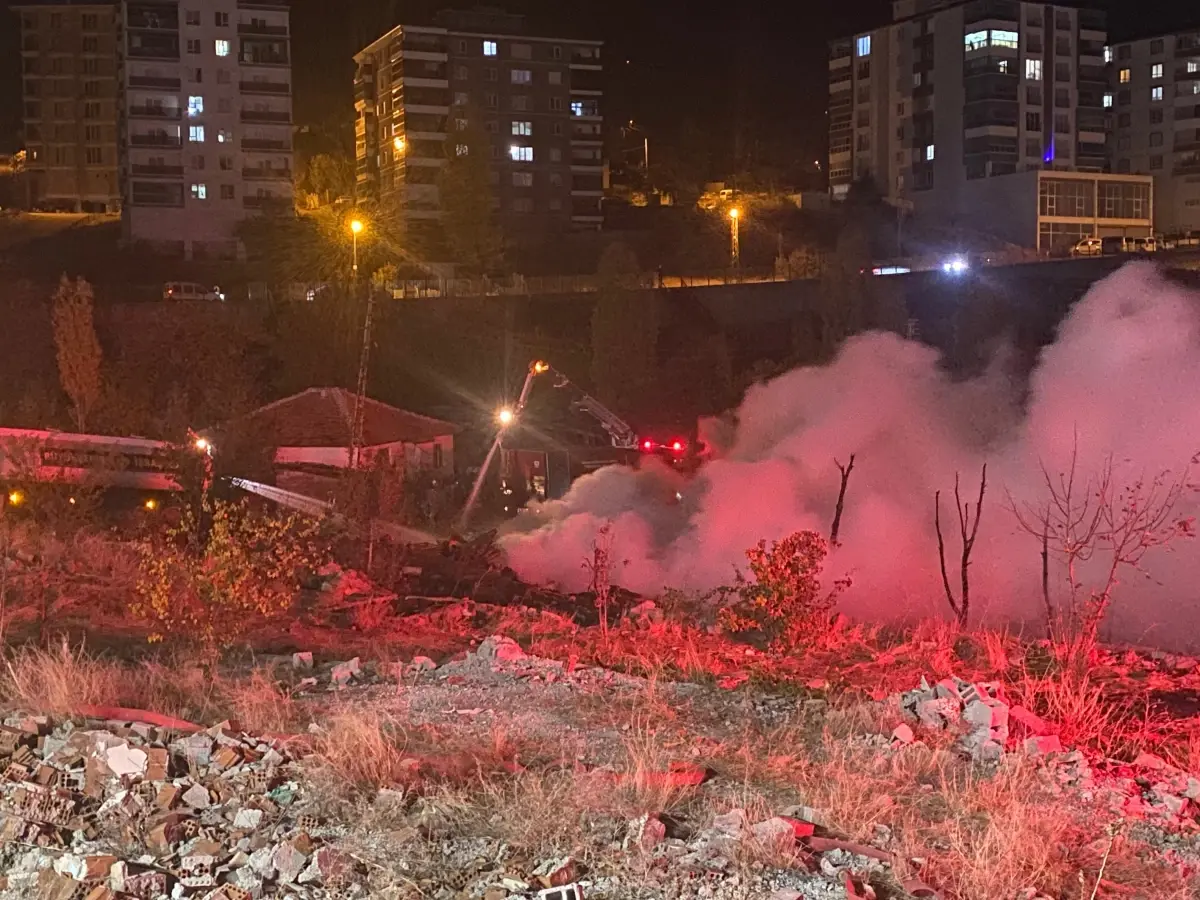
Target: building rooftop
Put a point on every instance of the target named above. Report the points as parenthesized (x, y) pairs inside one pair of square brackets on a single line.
[(324, 417)]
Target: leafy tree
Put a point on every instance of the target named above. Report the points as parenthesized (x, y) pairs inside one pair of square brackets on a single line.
[(625, 329), (79, 354), (330, 176), (465, 190)]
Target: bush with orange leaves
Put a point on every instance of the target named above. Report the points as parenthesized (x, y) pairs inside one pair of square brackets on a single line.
[(785, 602)]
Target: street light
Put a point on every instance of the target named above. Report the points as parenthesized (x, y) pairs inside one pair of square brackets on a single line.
[(398, 143), (505, 417), (735, 218), (203, 445), (356, 227)]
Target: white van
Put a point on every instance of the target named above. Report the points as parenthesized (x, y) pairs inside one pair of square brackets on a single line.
[(189, 290)]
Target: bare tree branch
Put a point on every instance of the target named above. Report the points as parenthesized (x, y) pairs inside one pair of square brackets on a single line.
[(841, 500), (968, 530)]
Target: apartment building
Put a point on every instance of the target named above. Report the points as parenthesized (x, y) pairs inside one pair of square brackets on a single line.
[(1155, 96), (205, 121), (69, 72), (966, 110), (537, 100)]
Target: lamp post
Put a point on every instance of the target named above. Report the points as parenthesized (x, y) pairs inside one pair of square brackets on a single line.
[(356, 227), (356, 428), (735, 219)]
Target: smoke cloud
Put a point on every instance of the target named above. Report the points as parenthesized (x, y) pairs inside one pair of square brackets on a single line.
[(1121, 379)]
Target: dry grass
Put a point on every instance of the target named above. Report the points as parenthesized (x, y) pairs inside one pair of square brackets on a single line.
[(363, 749), (57, 682)]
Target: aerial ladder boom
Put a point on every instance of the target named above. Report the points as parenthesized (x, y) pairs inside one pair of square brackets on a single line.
[(620, 433)]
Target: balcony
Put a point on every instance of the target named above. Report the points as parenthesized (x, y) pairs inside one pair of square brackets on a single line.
[(169, 113), (266, 173), (154, 83), (1188, 167), (263, 29), (265, 145), (145, 17), (154, 140), (279, 88), (157, 171), (266, 117), (1188, 146)]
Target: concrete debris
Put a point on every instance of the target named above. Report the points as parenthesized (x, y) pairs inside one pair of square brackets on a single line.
[(216, 815), (302, 660), (903, 734)]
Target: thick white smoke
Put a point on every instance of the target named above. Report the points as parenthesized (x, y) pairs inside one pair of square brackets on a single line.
[(1123, 376)]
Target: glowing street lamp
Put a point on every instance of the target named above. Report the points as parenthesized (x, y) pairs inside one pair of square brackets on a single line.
[(356, 227), (16, 498), (398, 144), (735, 219), (505, 417), (203, 445)]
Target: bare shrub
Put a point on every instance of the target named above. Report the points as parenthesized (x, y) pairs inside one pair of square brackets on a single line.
[(968, 530), (785, 601), (600, 570), (1099, 518)]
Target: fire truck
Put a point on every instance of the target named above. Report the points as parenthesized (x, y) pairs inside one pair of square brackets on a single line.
[(540, 455)]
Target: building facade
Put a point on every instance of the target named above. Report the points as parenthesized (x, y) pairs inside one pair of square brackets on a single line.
[(1155, 95), (205, 121), (69, 72), (536, 102), (949, 106)]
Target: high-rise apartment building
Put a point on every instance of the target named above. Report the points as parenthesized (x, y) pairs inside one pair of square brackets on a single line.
[(536, 100), (1155, 96), (69, 69), (987, 114), (206, 120)]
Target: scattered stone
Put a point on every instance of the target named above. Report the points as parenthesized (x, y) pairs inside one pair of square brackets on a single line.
[(422, 664), (302, 660), (903, 734), (1041, 746), (645, 833), (342, 673), (1033, 724), (777, 833)]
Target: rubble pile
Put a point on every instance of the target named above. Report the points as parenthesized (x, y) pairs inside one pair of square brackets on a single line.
[(1147, 790), (103, 811)]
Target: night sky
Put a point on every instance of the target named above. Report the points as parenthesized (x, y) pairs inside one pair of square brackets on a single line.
[(745, 78)]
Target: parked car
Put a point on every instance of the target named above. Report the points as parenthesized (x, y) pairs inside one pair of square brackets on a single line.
[(189, 290), (1144, 245), (1089, 246)]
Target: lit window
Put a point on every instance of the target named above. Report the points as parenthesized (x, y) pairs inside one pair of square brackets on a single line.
[(1123, 76), (195, 106), (929, 153), (1193, 66), (577, 107), (1108, 101), (222, 47), (863, 45), (976, 40), (1033, 69), (461, 124), (1005, 39), (522, 76), (520, 154), (489, 48), (917, 79), (1156, 93), (199, 191), (1003, 65), (1108, 54), (461, 149), (1156, 70), (522, 129), (224, 136), (196, 134), (461, 98)]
